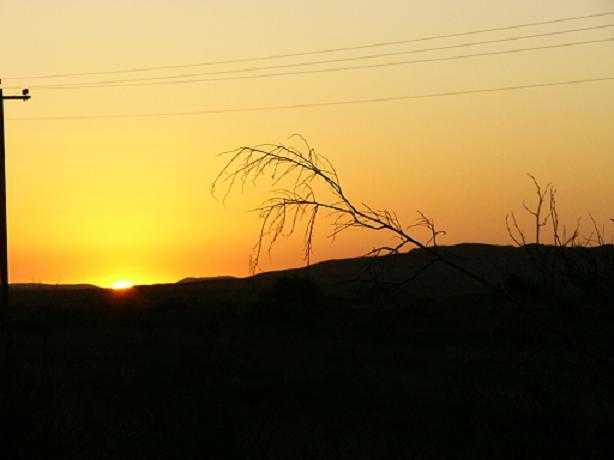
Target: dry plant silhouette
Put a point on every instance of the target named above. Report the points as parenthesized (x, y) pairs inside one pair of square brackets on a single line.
[(514, 230), (306, 184), (572, 259), (546, 196), (314, 188)]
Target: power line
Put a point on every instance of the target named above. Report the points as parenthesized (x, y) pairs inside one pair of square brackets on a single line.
[(329, 61), (326, 70), (326, 103), (315, 52)]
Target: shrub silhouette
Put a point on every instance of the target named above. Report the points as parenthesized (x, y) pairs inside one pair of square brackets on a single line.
[(572, 263)]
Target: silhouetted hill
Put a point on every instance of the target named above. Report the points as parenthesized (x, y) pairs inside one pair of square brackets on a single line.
[(47, 287), (426, 275), (205, 278), (491, 262)]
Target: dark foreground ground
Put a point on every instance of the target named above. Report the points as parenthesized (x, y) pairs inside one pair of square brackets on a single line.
[(292, 369)]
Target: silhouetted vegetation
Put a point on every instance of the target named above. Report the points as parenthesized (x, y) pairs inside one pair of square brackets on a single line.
[(307, 184), (574, 268), (468, 351)]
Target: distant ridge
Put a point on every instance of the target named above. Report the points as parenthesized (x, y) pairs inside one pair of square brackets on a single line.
[(493, 263), (52, 287), (205, 278)]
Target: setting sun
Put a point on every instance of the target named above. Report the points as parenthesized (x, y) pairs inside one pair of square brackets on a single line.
[(119, 285)]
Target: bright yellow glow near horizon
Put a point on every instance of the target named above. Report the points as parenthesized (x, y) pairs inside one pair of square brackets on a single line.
[(96, 200), (122, 285)]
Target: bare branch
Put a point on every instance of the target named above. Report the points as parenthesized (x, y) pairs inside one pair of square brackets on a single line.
[(306, 171), (519, 238), (537, 213)]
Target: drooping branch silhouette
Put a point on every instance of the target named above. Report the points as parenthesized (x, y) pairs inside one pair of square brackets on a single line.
[(315, 187)]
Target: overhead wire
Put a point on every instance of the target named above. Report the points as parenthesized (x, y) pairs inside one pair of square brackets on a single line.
[(325, 103), (325, 61), (312, 52), (325, 70)]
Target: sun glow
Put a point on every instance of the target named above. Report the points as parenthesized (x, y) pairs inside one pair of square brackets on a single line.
[(120, 285)]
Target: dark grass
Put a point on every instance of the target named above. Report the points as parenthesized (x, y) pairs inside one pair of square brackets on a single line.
[(286, 368)]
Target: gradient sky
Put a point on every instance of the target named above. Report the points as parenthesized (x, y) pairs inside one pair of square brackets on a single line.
[(101, 200)]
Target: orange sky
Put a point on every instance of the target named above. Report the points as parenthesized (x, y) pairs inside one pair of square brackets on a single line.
[(97, 200)]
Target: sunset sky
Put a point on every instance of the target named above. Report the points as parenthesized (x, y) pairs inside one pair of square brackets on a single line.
[(97, 200)]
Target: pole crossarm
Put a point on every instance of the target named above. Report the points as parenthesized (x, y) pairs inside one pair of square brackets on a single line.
[(23, 98)]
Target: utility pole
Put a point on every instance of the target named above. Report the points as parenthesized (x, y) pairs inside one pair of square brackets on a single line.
[(4, 266)]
